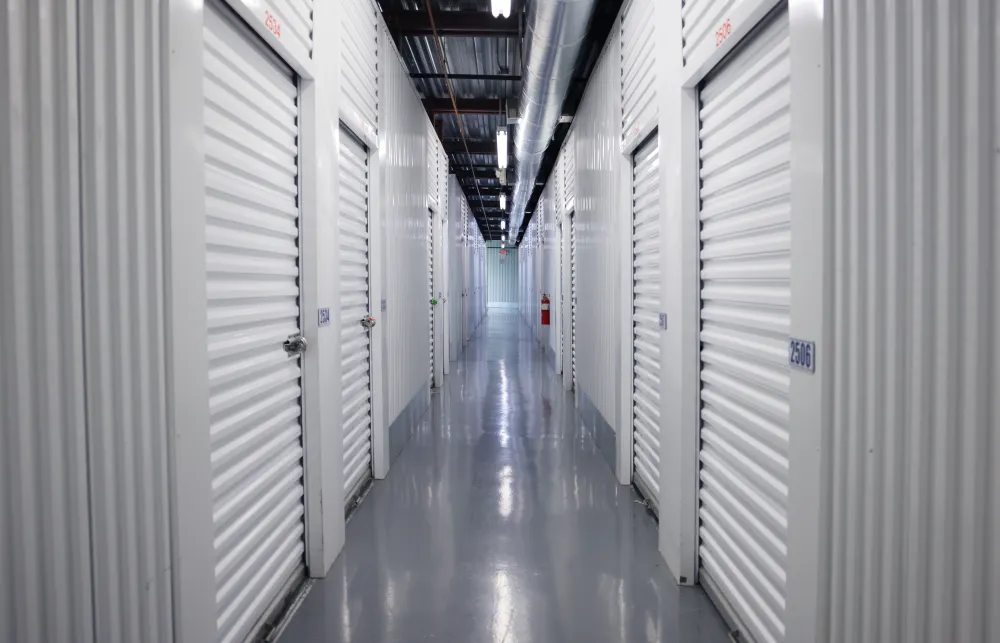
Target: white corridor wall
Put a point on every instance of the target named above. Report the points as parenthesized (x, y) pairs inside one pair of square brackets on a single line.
[(892, 516), (106, 502)]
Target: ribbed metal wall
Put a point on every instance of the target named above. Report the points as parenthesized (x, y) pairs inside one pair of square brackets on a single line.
[(915, 517), (120, 124), (568, 154), (432, 166), (295, 21), (45, 576), (359, 53), (403, 160), (475, 262), (550, 265), (638, 78), (597, 132), (456, 265), (501, 275)]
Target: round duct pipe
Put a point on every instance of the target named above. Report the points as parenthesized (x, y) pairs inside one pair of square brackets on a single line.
[(555, 32)]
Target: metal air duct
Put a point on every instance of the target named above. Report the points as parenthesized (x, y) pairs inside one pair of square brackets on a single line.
[(556, 30)]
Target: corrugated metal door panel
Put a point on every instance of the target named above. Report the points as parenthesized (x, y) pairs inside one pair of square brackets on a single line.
[(746, 273), (646, 307), (914, 516), (124, 320), (430, 287), (639, 106), (251, 202), (359, 63), (355, 345), (46, 588)]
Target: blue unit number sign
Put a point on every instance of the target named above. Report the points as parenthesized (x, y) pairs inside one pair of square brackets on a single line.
[(802, 355), (324, 316)]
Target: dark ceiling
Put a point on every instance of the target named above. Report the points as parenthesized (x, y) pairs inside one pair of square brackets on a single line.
[(483, 55)]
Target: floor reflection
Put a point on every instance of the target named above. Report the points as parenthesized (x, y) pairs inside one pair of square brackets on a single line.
[(502, 522)]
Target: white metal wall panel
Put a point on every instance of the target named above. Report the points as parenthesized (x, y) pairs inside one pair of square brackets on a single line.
[(403, 135), (746, 273), (569, 172), (914, 508), (430, 289), (638, 75), (550, 268), (359, 52), (432, 166), (292, 22), (355, 340), (501, 276), (597, 131), (251, 202), (647, 304), (120, 124), (456, 266), (45, 576), (701, 19), (573, 288)]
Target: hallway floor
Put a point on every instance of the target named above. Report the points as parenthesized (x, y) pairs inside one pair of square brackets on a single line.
[(502, 522)]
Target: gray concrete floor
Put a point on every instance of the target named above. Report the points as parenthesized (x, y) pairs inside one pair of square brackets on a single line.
[(502, 522)]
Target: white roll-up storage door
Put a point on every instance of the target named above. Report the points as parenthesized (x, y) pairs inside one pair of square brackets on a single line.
[(355, 344), (646, 307), (252, 228), (430, 287), (746, 272), (572, 283)]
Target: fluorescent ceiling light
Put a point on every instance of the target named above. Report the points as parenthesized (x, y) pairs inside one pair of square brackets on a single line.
[(503, 224), (500, 8), (503, 201), (502, 148)]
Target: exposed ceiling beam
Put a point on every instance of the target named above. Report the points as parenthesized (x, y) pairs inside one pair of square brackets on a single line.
[(465, 106), (465, 77), (416, 22), (476, 146), (463, 171), (495, 190)]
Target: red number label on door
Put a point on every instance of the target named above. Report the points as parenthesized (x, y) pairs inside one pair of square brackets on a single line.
[(272, 24), (723, 32)]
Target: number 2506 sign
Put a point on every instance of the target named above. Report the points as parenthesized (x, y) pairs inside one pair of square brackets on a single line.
[(802, 355)]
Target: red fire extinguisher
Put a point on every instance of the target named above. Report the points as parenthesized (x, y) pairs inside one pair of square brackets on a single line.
[(545, 310)]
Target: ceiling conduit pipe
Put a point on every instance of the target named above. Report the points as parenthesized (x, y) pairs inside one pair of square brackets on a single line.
[(556, 30)]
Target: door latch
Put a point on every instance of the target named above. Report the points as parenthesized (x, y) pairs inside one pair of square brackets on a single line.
[(367, 322), (295, 344)]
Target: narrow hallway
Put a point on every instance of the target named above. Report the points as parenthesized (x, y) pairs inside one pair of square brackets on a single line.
[(501, 521)]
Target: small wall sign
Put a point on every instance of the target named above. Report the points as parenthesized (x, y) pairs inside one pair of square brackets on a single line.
[(324, 316), (802, 355)]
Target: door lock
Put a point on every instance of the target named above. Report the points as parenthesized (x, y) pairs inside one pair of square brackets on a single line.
[(295, 344), (367, 322)]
